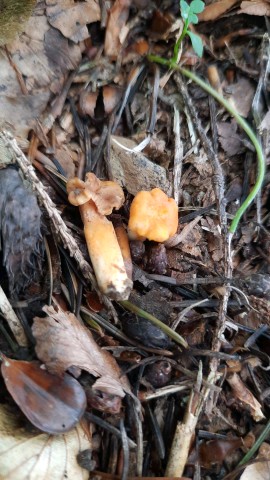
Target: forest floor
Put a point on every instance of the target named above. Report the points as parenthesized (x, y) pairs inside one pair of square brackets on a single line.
[(169, 377)]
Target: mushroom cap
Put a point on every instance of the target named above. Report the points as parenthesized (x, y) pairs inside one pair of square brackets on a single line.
[(106, 195), (77, 192), (153, 216)]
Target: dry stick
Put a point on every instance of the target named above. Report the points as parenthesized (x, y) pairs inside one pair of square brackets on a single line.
[(178, 155), (219, 186), (60, 226), (185, 431), (12, 319)]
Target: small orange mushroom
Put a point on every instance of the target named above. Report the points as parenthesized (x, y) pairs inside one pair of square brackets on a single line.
[(153, 216), (96, 199)]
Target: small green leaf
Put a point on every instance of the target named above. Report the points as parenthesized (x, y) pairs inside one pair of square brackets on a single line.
[(192, 18), (197, 6), (184, 7), (196, 43)]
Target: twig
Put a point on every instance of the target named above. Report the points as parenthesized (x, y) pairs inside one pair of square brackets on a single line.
[(185, 431), (178, 155), (12, 319)]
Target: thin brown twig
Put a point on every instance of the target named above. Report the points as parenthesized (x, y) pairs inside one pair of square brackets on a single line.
[(219, 187)]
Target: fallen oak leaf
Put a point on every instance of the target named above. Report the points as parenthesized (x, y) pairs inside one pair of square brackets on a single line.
[(63, 342), (54, 405)]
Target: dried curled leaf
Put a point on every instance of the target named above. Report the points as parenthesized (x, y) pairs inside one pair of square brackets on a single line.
[(52, 404), (63, 342), (20, 219), (244, 395), (25, 455)]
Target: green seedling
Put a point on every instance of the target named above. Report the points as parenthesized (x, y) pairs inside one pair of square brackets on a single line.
[(189, 16)]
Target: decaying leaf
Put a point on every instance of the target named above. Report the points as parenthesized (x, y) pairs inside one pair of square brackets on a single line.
[(72, 18), (117, 19), (26, 455), (43, 56), (215, 10), (260, 470), (255, 7), (63, 342), (52, 404), (242, 95), (244, 395), (229, 138), (214, 452)]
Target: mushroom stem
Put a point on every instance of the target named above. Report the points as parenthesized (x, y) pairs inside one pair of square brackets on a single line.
[(123, 242), (105, 253)]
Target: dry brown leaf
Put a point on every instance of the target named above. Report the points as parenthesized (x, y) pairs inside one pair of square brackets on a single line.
[(26, 455), (63, 342), (118, 16), (229, 138), (215, 10), (242, 96), (72, 18), (43, 56), (254, 7), (260, 470), (20, 113), (244, 395)]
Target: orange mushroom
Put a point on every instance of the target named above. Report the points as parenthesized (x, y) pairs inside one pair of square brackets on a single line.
[(96, 199), (153, 216)]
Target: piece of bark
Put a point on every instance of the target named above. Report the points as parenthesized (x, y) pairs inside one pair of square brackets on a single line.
[(134, 171)]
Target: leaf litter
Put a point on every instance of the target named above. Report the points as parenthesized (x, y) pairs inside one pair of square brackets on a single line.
[(69, 344), (72, 76)]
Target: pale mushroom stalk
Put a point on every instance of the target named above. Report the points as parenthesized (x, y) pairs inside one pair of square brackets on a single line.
[(122, 239), (105, 253), (95, 200)]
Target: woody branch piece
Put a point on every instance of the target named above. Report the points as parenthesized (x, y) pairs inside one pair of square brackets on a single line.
[(96, 199)]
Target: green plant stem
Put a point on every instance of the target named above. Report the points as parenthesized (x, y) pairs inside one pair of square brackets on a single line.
[(179, 41), (243, 124), (265, 433), (142, 313)]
